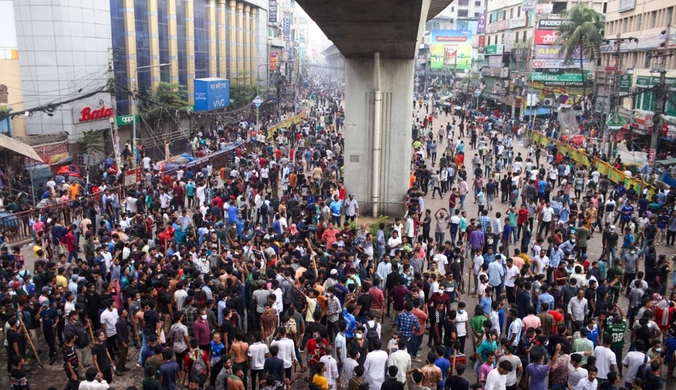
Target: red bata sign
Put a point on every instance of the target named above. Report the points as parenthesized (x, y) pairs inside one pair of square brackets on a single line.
[(87, 114)]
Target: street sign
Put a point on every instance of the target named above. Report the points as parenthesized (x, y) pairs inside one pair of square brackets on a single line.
[(257, 101), (133, 177), (616, 122)]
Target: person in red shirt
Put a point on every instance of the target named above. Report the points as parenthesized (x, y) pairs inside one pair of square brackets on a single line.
[(71, 245), (521, 219), (278, 154), (195, 354)]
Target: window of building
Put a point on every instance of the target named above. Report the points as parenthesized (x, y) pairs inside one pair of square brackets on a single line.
[(525, 36), (605, 8), (463, 13), (477, 4), (518, 11), (476, 14), (511, 13), (558, 7), (463, 3), (201, 39), (502, 38), (489, 41), (516, 37), (490, 18), (4, 94)]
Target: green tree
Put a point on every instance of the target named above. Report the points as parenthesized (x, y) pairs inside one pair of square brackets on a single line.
[(166, 96), (583, 31)]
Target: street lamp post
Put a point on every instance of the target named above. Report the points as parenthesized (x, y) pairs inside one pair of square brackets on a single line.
[(133, 108)]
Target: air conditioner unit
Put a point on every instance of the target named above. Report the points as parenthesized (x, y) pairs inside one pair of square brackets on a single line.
[(548, 102)]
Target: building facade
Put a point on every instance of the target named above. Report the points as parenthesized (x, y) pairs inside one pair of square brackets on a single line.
[(11, 94), (68, 45), (652, 23)]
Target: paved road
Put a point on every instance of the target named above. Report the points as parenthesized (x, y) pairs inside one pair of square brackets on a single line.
[(53, 374)]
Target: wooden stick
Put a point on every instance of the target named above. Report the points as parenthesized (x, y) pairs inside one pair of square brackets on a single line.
[(27, 335)]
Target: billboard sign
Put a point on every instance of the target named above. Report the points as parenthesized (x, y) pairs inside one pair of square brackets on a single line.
[(544, 9), (272, 11), (451, 49), (528, 5), (521, 21), (626, 5), (91, 114), (482, 43), (211, 94), (538, 76), (481, 27), (124, 120), (546, 37), (549, 24), (492, 50), (558, 63), (555, 52)]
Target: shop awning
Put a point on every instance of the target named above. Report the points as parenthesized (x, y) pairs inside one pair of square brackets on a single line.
[(537, 111), (7, 143)]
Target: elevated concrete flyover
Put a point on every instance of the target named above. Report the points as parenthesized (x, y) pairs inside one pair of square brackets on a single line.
[(379, 40)]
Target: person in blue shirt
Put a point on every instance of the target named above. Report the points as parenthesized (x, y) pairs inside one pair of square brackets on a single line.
[(50, 320), (545, 297), (487, 299), (592, 331), (348, 316), (443, 364), (336, 210)]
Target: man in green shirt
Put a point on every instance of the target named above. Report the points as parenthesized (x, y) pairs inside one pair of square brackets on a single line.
[(477, 325), (616, 325)]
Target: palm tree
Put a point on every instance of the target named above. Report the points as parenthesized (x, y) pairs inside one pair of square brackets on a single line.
[(583, 31)]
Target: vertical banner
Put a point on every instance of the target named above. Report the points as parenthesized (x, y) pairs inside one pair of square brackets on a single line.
[(482, 43), (272, 11), (481, 26)]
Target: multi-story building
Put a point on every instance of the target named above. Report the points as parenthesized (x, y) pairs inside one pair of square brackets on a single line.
[(11, 94), (652, 23), (67, 45), (457, 16)]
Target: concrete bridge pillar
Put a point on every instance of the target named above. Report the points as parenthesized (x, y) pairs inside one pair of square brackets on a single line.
[(396, 85)]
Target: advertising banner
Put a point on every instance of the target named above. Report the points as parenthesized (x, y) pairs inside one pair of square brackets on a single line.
[(273, 60), (451, 49), (272, 11), (482, 43), (566, 77), (211, 94), (481, 27), (521, 21), (555, 52), (124, 120), (501, 25), (544, 9), (626, 5), (549, 24), (539, 64), (545, 37), (286, 28), (495, 61), (528, 5), (625, 83), (492, 50)]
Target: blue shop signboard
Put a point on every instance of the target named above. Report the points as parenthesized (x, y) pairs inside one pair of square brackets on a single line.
[(211, 94)]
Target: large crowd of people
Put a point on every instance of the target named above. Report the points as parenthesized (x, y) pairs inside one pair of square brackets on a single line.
[(258, 273)]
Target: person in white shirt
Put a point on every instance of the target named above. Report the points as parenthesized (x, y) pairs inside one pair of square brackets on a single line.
[(442, 262), (257, 352), (394, 243), (108, 320), (375, 366), (497, 377), (94, 381), (146, 163), (331, 373), (287, 350), (588, 383), (606, 360)]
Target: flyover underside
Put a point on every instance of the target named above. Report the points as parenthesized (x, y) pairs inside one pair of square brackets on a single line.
[(397, 100)]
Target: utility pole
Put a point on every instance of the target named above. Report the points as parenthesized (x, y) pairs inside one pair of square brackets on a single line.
[(114, 133), (660, 92)]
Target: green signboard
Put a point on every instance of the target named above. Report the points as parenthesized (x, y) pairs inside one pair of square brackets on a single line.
[(561, 78), (625, 83), (650, 81), (124, 120), (616, 122), (491, 50)]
